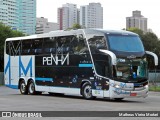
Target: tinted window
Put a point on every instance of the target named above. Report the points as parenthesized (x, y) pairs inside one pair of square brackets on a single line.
[(97, 42), (37, 46), (80, 46), (125, 43), (49, 45), (14, 47), (64, 44), (27, 47)]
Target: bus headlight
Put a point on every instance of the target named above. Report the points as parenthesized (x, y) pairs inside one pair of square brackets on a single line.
[(146, 86), (117, 86)]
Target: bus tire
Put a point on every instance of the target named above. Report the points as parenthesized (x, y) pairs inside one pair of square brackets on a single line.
[(31, 88), (87, 91), (23, 88)]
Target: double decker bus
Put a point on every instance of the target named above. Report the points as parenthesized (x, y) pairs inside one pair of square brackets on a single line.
[(88, 62)]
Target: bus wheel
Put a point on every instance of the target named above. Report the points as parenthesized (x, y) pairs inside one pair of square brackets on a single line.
[(31, 88), (23, 87), (87, 91)]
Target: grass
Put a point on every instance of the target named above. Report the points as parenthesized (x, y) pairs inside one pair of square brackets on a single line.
[(154, 88)]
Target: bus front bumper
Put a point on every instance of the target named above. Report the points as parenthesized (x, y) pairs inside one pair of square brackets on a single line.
[(122, 93)]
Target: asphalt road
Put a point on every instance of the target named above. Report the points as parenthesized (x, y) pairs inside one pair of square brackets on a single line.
[(12, 100)]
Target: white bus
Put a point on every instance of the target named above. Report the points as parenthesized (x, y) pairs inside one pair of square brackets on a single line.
[(88, 62)]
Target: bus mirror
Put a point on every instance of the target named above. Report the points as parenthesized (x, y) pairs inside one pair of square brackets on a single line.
[(155, 57), (111, 54)]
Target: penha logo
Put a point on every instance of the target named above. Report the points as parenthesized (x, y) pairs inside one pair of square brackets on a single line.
[(56, 59)]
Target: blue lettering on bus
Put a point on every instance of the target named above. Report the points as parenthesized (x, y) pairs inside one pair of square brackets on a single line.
[(85, 65), (25, 71), (120, 91), (75, 78), (44, 79), (8, 67), (123, 85)]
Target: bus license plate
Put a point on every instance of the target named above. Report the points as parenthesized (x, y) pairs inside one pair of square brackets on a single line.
[(133, 94)]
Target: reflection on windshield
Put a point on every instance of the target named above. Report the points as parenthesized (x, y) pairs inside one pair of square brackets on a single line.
[(132, 69), (125, 43)]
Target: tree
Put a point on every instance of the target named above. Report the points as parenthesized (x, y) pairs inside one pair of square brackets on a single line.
[(150, 40), (7, 32), (75, 26), (136, 30)]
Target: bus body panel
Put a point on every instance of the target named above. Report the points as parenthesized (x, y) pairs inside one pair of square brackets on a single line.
[(18, 67), (14, 68), (123, 90), (98, 93), (60, 67), (7, 72)]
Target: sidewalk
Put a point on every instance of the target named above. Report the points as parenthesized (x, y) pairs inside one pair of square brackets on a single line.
[(154, 93)]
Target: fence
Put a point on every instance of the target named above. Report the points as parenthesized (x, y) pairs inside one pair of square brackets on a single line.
[(1, 78), (1, 63), (1, 70), (154, 78), (154, 81)]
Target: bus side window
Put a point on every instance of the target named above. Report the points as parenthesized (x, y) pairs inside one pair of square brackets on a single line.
[(65, 44), (97, 42), (49, 45), (80, 46), (73, 42), (37, 46), (26, 47), (15, 48), (102, 65)]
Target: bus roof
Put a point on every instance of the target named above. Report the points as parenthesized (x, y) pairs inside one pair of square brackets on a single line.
[(117, 32), (71, 32), (49, 34)]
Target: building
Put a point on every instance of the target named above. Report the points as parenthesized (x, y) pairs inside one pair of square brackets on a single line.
[(136, 21), (8, 13), (67, 16), (27, 16), (19, 15), (43, 26), (91, 16), (78, 16)]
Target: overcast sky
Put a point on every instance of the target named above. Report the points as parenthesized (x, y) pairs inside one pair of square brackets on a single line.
[(114, 11)]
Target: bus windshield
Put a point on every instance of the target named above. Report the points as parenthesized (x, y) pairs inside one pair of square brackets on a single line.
[(131, 69), (125, 43)]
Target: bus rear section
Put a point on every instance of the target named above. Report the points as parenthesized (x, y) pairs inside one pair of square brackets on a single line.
[(16, 66)]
